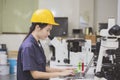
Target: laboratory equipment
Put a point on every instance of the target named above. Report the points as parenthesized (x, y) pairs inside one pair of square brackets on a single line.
[(108, 58)]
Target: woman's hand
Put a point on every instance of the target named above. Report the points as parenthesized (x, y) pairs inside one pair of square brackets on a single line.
[(67, 72), (69, 68)]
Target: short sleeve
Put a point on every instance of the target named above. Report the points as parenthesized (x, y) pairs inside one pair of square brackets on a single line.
[(29, 60)]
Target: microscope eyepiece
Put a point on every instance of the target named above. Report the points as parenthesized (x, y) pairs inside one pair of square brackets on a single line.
[(115, 30)]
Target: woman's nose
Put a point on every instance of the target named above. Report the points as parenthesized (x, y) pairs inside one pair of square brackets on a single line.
[(48, 33)]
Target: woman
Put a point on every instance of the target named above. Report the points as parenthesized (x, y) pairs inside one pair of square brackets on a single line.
[(31, 63)]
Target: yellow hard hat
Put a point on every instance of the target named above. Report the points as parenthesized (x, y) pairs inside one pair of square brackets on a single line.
[(43, 16)]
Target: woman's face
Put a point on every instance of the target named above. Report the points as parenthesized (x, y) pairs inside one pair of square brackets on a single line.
[(44, 32)]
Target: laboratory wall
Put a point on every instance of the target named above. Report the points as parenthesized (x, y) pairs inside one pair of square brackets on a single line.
[(118, 18), (86, 12), (13, 41), (105, 9), (74, 10), (0, 16), (91, 12), (16, 15)]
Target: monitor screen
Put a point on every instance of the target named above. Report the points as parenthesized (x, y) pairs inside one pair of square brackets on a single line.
[(61, 29)]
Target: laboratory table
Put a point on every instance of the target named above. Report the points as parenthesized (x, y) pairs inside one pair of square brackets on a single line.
[(89, 76), (13, 77), (8, 77)]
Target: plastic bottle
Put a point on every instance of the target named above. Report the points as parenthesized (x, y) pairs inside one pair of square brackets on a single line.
[(82, 66), (79, 67)]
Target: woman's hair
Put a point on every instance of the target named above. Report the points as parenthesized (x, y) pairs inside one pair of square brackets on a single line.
[(32, 27)]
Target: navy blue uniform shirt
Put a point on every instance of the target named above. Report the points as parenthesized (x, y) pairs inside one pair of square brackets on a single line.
[(31, 57)]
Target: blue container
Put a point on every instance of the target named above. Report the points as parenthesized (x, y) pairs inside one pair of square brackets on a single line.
[(13, 64)]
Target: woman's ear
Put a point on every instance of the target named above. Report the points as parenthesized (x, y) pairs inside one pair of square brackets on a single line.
[(37, 27)]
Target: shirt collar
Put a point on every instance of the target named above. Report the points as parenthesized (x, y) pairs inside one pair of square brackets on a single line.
[(33, 39)]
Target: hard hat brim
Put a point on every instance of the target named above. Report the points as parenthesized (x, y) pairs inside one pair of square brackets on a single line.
[(55, 24)]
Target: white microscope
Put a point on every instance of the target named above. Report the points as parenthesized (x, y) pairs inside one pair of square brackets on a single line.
[(69, 52), (109, 41)]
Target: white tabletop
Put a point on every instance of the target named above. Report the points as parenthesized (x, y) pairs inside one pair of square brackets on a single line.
[(89, 76)]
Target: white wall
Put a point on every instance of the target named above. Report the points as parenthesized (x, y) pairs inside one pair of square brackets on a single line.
[(118, 18), (63, 8), (13, 41), (105, 9), (71, 9), (87, 10), (95, 11)]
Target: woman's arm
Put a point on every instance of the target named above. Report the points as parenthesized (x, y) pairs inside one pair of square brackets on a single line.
[(43, 75), (49, 69), (46, 75)]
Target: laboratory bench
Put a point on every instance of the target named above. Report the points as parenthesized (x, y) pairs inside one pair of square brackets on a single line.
[(8, 77), (89, 76), (13, 77)]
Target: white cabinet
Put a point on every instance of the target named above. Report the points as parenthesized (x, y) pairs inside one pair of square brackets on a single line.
[(17, 14)]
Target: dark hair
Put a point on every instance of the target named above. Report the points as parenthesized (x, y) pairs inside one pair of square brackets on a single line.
[(32, 27)]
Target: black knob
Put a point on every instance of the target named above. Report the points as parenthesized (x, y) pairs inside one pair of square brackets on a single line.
[(99, 74), (66, 61), (53, 58)]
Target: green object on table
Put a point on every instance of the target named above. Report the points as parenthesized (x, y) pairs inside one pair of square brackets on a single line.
[(79, 67)]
